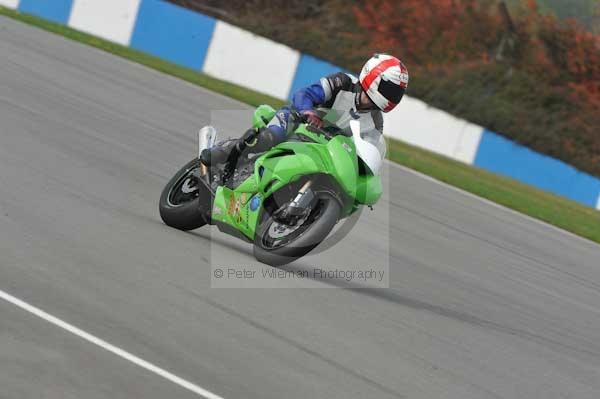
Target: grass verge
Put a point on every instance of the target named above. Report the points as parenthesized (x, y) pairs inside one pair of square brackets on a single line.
[(550, 208)]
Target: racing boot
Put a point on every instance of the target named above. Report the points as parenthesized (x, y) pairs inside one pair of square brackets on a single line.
[(252, 142), (228, 150)]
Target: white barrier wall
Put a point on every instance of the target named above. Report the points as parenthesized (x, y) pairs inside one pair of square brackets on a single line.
[(252, 61), (417, 123), (598, 203), (9, 3), (109, 19)]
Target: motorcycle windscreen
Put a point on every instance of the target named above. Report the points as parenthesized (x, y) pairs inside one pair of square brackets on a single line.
[(370, 147)]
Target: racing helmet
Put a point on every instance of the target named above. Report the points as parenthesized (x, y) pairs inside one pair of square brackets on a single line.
[(384, 79)]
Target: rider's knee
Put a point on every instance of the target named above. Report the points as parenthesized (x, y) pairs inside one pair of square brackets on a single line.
[(269, 137)]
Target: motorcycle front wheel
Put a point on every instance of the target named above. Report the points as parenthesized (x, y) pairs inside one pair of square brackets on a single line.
[(277, 244)]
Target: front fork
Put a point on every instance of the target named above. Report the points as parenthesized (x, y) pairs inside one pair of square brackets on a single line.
[(300, 206)]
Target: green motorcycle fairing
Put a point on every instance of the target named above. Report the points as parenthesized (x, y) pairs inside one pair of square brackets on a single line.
[(286, 163), (262, 115)]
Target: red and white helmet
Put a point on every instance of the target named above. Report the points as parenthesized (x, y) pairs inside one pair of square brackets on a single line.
[(384, 78)]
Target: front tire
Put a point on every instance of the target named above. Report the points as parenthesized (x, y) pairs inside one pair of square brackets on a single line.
[(179, 203), (321, 220)]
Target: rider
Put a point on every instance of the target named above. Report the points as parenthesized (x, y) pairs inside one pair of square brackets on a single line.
[(336, 99)]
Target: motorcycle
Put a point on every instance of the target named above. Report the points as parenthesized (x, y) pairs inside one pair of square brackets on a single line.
[(286, 200)]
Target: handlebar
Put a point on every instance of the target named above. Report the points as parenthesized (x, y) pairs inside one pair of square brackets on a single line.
[(329, 131)]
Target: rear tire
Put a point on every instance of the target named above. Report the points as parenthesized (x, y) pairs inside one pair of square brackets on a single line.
[(328, 212), (183, 214)]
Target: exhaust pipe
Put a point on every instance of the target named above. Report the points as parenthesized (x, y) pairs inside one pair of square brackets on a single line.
[(207, 136)]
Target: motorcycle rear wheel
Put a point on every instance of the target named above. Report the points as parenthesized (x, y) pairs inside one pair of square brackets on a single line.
[(181, 200)]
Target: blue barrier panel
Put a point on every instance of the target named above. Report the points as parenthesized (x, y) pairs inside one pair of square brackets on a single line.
[(500, 155), (54, 10), (309, 71), (173, 33)]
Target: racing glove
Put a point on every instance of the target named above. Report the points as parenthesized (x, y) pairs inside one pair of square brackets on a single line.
[(312, 118)]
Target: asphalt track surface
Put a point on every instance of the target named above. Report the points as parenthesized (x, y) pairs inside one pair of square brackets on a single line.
[(483, 303)]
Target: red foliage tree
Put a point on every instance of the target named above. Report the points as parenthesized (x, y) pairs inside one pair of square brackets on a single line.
[(551, 103), (443, 34), (430, 32)]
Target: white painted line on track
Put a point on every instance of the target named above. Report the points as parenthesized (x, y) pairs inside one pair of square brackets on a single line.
[(489, 202), (109, 347)]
